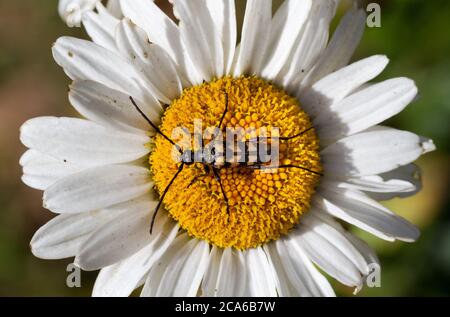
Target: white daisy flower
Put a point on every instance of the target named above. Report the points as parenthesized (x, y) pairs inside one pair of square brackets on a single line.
[(104, 175)]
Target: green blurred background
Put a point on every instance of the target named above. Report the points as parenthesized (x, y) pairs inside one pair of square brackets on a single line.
[(415, 34)]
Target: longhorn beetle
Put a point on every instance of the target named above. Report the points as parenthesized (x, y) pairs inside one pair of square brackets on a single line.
[(211, 163)]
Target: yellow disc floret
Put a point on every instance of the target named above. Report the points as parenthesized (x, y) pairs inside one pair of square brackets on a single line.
[(263, 205)]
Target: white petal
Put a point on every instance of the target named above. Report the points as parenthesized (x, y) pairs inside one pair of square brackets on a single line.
[(378, 151), (336, 86), (311, 44), (363, 248), (411, 178), (366, 251), (62, 236), (305, 278), (101, 27), (359, 210), (121, 279), (40, 171), (261, 282), (223, 13), (401, 182), (257, 23), (226, 275), (111, 108), (71, 11), (210, 280), (97, 188), (331, 251), (155, 65), (162, 31), (200, 37), (283, 284), (84, 60), (366, 108), (82, 142), (124, 236), (343, 44), (114, 8), (232, 278), (180, 271), (287, 25)]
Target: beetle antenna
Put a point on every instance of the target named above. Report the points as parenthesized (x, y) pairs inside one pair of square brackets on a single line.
[(300, 167), (180, 169), (281, 138), (295, 136), (226, 110), (154, 125), (261, 167)]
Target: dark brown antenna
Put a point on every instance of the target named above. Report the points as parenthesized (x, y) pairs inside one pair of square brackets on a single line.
[(154, 125), (180, 169)]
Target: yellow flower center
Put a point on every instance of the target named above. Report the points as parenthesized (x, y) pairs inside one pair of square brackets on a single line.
[(262, 206)]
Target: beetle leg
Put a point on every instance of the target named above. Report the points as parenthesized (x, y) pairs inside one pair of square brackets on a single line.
[(217, 176)]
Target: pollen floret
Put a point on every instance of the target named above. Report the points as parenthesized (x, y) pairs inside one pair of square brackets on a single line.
[(264, 204)]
